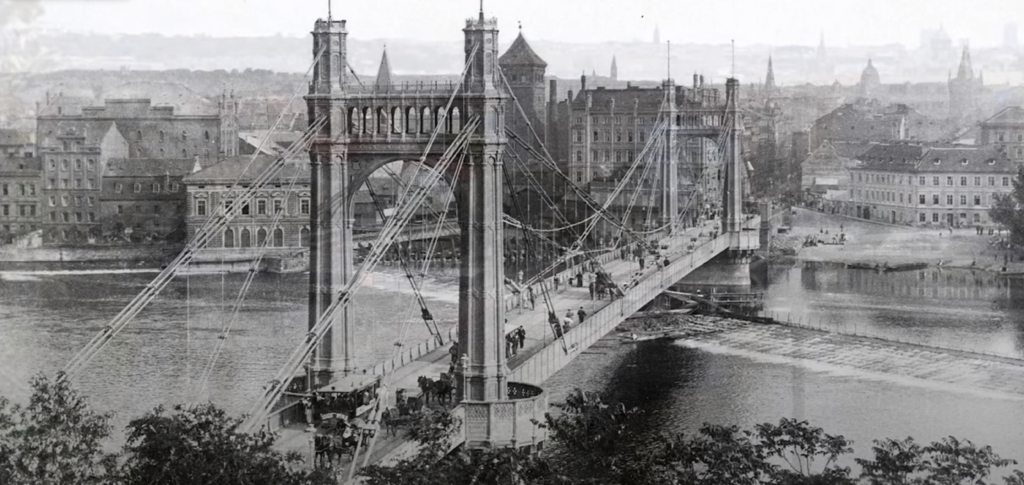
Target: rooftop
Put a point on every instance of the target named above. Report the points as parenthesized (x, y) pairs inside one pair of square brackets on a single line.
[(230, 169)]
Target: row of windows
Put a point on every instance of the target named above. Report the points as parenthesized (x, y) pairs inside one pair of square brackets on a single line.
[(262, 206), (595, 156), (1003, 137), (18, 227), (90, 183), (891, 179), (184, 135), (65, 164), (78, 216), (66, 199), (884, 196), (606, 136), (23, 210), (607, 120), (23, 189), (245, 238), (155, 187), (936, 217)]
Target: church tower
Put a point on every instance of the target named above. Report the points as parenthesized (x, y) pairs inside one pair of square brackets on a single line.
[(615, 70), (524, 70), (383, 82), (769, 81), (963, 88)]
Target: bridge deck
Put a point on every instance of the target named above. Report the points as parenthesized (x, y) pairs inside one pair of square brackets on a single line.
[(542, 356)]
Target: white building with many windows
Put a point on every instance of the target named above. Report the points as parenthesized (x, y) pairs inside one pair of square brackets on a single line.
[(214, 187), (930, 186)]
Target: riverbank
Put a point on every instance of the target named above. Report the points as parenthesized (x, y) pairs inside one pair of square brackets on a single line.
[(109, 257), (888, 245)]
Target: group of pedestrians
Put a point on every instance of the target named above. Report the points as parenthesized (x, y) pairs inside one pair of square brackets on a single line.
[(515, 341)]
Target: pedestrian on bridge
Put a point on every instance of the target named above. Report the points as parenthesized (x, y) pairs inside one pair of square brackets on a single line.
[(582, 314), (592, 287), (521, 336), (641, 262), (529, 294)]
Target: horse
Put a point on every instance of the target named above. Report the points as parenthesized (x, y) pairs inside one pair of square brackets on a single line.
[(444, 388), (389, 418), (327, 447), (427, 386)]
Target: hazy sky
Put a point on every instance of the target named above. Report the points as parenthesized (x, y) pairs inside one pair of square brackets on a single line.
[(772, 22)]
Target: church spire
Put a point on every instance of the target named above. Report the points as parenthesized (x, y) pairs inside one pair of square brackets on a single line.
[(615, 70), (384, 73), (965, 72), (769, 79)]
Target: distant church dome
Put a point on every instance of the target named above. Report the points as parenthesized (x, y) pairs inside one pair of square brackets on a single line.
[(869, 79)]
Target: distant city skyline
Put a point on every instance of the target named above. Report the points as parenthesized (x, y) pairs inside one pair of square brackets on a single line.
[(748, 22)]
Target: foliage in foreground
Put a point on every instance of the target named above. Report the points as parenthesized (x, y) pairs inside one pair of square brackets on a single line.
[(56, 439), (1008, 210), (593, 442)]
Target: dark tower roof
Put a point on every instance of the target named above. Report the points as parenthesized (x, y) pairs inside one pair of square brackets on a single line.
[(384, 73), (520, 54), (615, 70), (965, 72), (769, 80)]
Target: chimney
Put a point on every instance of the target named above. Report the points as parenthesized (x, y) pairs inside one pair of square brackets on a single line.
[(583, 82), (570, 96), (553, 91)]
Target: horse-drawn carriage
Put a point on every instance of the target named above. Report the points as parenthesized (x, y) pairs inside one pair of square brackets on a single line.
[(337, 437)]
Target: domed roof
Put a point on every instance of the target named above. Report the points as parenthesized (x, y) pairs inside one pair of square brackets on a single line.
[(869, 77)]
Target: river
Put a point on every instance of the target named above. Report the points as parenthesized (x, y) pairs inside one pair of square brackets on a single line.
[(46, 317)]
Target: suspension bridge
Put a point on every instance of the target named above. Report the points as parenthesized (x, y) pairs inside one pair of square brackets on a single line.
[(453, 135)]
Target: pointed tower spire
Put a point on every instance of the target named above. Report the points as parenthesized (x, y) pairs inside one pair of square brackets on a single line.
[(384, 72), (615, 70), (769, 79), (965, 72)]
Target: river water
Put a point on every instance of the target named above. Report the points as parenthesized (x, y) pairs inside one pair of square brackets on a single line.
[(45, 317)]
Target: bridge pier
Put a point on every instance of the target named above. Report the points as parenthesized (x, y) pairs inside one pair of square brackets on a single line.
[(729, 271)]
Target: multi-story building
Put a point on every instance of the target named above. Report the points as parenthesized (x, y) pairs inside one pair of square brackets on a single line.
[(1005, 131), (16, 144), (916, 184), (161, 121), (20, 188), (213, 188), (73, 177), (870, 121), (144, 200), (524, 71)]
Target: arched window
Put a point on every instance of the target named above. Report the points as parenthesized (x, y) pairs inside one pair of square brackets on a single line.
[(138, 152), (184, 153), (206, 135), (278, 238), (261, 237), (138, 135), (184, 136), (579, 156), (425, 117), (353, 121), (396, 120), (246, 238), (439, 117), (304, 237), (229, 238), (456, 120), (161, 135), (365, 122), (410, 120), (382, 121)]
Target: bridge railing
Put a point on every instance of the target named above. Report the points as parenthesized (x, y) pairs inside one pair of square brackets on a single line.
[(514, 300)]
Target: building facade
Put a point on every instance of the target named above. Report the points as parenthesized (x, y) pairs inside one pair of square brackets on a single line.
[(213, 188), (183, 126), (930, 186), (1005, 131), (73, 181), (21, 186), (871, 121), (144, 200)]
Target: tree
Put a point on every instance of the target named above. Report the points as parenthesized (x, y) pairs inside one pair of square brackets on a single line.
[(202, 445), (895, 463), (1008, 210), (55, 439), (799, 444)]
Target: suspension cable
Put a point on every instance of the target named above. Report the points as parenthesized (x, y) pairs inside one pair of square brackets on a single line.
[(324, 323), (217, 221)]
